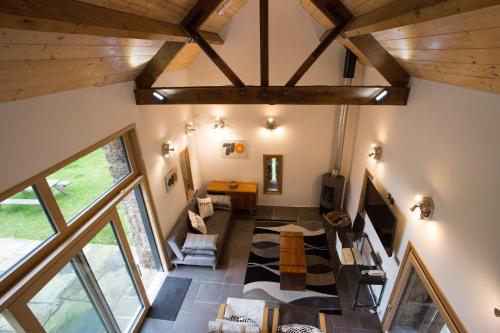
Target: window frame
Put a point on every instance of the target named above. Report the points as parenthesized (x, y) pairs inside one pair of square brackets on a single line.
[(65, 231)]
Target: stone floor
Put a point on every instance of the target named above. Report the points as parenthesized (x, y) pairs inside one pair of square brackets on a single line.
[(209, 288)]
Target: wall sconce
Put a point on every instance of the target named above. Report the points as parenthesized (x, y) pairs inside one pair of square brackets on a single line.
[(426, 205), (219, 123), (376, 152), (497, 312), (271, 123), (189, 128), (166, 148)]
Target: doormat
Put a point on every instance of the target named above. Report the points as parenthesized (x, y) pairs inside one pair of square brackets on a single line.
[(168, 302)]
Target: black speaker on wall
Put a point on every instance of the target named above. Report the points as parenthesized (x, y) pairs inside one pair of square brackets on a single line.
[(332, 189)]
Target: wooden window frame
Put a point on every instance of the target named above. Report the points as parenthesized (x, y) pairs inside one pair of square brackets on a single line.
[(413, 260), (280, 174), (137, 177)]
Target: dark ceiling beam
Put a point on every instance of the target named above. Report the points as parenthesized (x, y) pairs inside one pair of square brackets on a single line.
[(301, 95), (382, 60), (156, 66), (73, 17), (334, 10), (403, 12), (264, 42), (366, 47), (193, 20), (323, 45)]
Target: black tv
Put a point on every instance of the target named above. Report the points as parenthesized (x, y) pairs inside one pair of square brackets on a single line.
[(381, 216)]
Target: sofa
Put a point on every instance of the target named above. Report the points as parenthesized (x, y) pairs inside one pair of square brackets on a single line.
[(217, 224)]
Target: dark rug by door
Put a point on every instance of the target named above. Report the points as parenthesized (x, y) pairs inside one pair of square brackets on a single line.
[(169, 299), (262, 280)]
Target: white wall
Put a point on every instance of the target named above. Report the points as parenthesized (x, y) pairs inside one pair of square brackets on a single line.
[(38, 133), (305, 135), (444, 143)]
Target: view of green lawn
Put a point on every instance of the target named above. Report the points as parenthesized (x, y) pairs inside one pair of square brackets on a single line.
[(89, 178)]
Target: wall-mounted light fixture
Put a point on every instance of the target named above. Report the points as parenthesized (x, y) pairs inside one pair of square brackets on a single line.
[(189, 128), (497, 312), (271, 123), (158, 96), (376, 152), (381, 96), (219, 123), (426, 206), (166, 148)]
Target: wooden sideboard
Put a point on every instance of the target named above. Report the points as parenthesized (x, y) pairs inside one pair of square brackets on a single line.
[(242, 197)]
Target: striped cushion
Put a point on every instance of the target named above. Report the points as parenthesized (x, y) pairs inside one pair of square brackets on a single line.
[(205, 207)]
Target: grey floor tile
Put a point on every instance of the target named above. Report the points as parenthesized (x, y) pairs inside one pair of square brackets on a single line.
[(230, 290), (369, 321), (264, 212), (189, 323), (308, 213), (348, 319), (209, 292), (286, 213), (151, 325)]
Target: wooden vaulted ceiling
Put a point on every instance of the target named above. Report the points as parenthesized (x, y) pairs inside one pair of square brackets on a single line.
[(454, 42)]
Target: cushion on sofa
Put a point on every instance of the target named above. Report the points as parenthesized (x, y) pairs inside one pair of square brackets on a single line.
[(197, 222), (200, 242), (220, 201), (193, 252), (205, 207)]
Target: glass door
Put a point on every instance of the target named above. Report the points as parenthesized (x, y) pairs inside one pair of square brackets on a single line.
[(93, 287), (417, 305)]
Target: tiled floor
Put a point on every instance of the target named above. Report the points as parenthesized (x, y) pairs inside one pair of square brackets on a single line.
[(209, 288)]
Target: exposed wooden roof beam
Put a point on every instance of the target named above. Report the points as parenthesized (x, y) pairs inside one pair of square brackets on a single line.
[(73, 17), (264, 42), (334, 10), (193, 20), (301, 95), (382, 60), (158, 63), (329, 38), (403, 12)]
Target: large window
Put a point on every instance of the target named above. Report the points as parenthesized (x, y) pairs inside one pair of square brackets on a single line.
[(77, 185), (24, 226), (79, 244)]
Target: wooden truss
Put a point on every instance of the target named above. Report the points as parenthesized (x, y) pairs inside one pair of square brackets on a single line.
[(239, 93)]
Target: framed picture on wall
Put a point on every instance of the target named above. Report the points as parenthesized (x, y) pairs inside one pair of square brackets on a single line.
[(171, 179), (234, 149)]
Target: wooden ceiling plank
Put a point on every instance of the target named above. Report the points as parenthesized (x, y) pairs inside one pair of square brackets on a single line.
[(464, 56), (318, 51), (382, 60), (75, 17), (264, 42), (158, 63), (20, 52), (336, 12), (194, 19), (300, 95), (403, 12)]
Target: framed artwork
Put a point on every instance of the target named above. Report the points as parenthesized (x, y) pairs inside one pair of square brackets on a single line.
[(234, 149), (171, 179)]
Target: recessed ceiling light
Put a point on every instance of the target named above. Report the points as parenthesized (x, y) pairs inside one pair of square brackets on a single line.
[(383, 94), (158, 96)]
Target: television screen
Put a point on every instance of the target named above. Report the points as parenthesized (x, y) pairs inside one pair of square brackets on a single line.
[(381, 216)]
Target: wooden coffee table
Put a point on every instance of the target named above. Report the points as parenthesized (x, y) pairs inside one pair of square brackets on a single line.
[(293, 269)]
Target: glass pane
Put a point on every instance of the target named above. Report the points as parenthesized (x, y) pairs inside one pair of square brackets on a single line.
[(5, 327), (77, 185), (110, 269), (24, 226), (63, 305), (136, 224), (417, 312)]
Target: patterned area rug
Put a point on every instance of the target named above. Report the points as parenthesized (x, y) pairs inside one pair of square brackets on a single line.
[(262, 280)]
